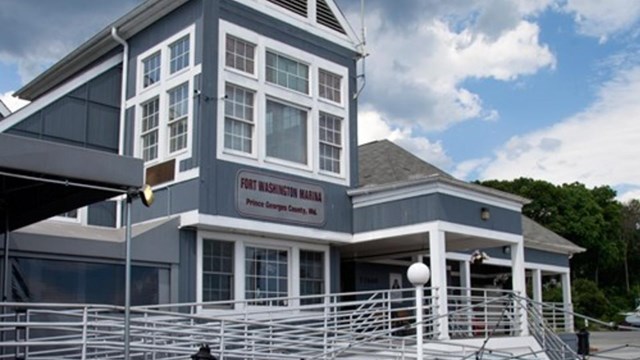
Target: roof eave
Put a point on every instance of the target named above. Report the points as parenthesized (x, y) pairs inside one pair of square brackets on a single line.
[(97, 46)]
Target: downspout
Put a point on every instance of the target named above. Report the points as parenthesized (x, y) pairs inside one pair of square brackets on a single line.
[(123, 86), (123, 103)]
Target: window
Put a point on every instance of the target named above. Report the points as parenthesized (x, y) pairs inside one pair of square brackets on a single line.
[(286, 132), (285, 110), (151, 70), (330, 142), (311, 276), (238, 112), (287, 72), (178, 111), (179, 55), (240, 54), (267, 275), (150, 122), (73, 214), (329, 85), (217, 270)]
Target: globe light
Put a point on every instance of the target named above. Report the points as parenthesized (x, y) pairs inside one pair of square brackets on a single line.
[(418, 274)]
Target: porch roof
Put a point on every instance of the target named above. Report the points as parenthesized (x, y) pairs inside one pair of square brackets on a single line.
[(538, 236)]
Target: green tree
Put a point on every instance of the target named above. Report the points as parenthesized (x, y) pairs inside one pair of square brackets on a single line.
[(630, 232)]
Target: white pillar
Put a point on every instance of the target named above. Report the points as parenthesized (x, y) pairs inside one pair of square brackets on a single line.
[(519, 284), (465, 284), (536, 281), (438, 259), (566, 301)]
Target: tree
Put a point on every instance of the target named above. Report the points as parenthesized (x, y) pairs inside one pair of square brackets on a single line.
[(630, 229)]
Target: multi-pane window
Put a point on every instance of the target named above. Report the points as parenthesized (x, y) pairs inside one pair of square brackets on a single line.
[(266, 275), (311, 276), (149, 135), (217, 270), (286, 72), (329, 85), (240, 54), (179, 55), (151, 69), (178, 115), (330, 142), (286, 132), (238, 118)]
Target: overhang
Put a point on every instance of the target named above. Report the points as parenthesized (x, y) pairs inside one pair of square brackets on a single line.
[(40, 179)]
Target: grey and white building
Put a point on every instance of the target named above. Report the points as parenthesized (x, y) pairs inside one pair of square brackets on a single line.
[(245, 116)]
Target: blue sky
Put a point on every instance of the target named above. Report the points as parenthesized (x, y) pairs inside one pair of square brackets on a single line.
[(481, 88)]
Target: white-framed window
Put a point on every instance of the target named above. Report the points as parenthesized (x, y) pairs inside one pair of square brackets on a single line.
[(179, 55), (289, 96), (234, 268), (287, 72), (149, 133), (238, 117), (164, 101), (240, 54), (151, 68), (330, 142), (329, 86)]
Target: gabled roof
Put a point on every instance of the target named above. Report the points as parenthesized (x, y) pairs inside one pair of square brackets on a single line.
[(538, 236), (4, 110), (328, 17), (383, 162)]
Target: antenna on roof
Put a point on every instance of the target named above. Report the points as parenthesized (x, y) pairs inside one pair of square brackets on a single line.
[(363, 53)]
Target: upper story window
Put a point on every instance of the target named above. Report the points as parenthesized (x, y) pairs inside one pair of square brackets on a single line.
[(329, 86), (240, 54), (151, 69), (289, 117), (287, 72), (179, 58), (164, 112)]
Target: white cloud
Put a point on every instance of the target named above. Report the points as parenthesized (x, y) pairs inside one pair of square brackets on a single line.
[(597, 146), (14, 104), (424, 86), (602, 19), (629, 195), (371, 127)]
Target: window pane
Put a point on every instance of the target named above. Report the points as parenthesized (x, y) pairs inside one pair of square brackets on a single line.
[(149, 134), (151, 70), (330, 142), (329, 85), (179, 54), (238, 128), (287, 72), (311, 276), (264, 279), (178, 112), (240, 54), (217, 270), (286, 132)]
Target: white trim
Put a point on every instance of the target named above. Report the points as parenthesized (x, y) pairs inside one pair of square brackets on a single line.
[(545, 267), (360, 201), (263, 91), (349, 41), (4, 110), (241, 242), (237, 225), (507, 263), (479, 232), (60, 91), (393, 232)]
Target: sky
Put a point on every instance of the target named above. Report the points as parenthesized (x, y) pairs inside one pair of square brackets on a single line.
[(484, 89)]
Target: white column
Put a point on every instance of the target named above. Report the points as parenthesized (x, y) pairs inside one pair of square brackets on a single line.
[(536, 277), (465, 283), (519, 283), (437, 256), (566, 300)]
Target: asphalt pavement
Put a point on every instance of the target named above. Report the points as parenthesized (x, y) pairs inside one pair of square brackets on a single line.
[(615, 345)]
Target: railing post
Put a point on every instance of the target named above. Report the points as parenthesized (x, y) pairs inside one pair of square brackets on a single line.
[(222, 339), (418, 274), (85, 322)]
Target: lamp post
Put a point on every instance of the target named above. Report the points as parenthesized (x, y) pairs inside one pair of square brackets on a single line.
[(146, 196), (418, 274)]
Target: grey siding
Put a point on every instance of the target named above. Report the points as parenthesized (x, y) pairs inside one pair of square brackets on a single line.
[(169, 200), (88, 116), (187, 270), (434, 207), (334, 270), (102, 214)]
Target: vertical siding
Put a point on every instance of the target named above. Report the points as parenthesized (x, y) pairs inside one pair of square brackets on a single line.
[(102, 214), (187, 272)]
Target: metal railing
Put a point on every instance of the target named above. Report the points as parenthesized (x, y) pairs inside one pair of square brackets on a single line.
[(356, 324)]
